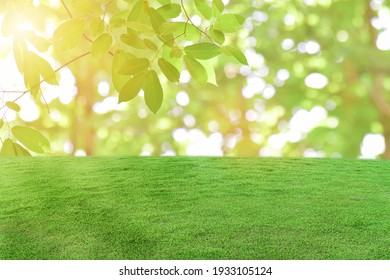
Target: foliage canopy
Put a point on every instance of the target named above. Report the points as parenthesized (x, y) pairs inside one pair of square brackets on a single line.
[(150, 37)]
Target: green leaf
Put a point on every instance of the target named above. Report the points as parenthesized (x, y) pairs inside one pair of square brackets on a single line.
[(211, 77), (134, 66), (97, 26), (1, 123), (153, 91), (140, 27), (202, 50), (45, 70), (31, 73), (217, 35), (236, 53), (229, 22), (218, 7), (169, 11), (168, 28), (83, 6), (137, 13), (31, 139), (204, 8), (19, 49), (164, 2), (156, 20), (133, 40), (196, 69), (40, 43), (176, 52), (12, 106), (7, 150), (191, 33), (68, 35), (101, 45), (150, 44), (169, 70), (118, 80), (20, 151), (132, 88), (117, 22), (35, 67)]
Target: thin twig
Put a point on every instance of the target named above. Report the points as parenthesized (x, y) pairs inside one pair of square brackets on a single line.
[(189, 19), (66, 8)]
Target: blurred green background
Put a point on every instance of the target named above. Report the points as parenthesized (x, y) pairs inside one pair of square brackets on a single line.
[(317, 85)]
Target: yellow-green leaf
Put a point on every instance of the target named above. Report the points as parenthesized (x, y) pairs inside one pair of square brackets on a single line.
[(12, 106), (31, 139), (116, 23), (203, 7), (229, 22), (169, 70), (202, 50), (31, 73), (153, 91), (132, 88), (137, 13), (82, 6), (156, 20), (211, 77), (134, 66), (118, 80), (19, 48), (133, 40), (196, 69), (140, 27), (176, 52), (97, 26), (217, 35), (168, 28), (169, 11), (45, 69), (7, 150), (20, 151), (1, 123), (101, 45), (68, 35), (40, 43), (150, 44), (191, 33), (236, 53), (218, 7), (164, 2)]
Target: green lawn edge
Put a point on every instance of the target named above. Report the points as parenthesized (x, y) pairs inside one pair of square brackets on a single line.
[(151, 208)]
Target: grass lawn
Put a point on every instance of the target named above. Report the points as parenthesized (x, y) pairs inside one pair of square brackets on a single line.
[(194, 208)]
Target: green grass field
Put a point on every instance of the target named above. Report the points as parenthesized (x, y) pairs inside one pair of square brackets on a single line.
[(194, 208)]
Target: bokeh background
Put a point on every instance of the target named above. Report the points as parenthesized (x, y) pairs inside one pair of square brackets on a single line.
[(317, 85)]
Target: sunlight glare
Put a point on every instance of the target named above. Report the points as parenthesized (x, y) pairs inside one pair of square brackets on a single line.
[(372, 146), (316, 81), (182, 98), (201, 145), (29, 111), (54, 3), (304, 121)]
